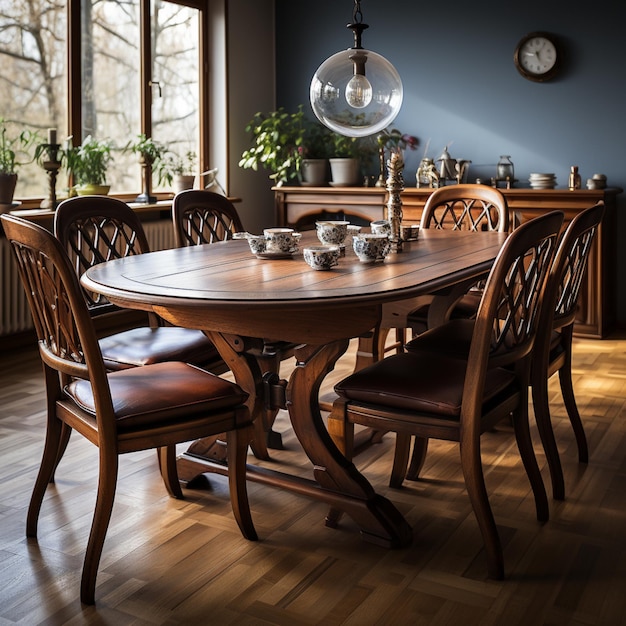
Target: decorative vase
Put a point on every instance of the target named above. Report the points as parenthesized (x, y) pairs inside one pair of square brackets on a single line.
[(314, 172), (345, 172)]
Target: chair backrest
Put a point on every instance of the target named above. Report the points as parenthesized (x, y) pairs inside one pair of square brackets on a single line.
[(466, 207), (570, 263), (65, 332), (200, 216), (94, 229), (507, 319)]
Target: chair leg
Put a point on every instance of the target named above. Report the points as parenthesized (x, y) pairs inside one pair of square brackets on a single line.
[(238, 441), (569, 399), (541, 407), (54, 437), (167, 465), (527, 453), (567, 389), (66, 431), (471, 464), (107, 484), (420, 447), (400, 460)]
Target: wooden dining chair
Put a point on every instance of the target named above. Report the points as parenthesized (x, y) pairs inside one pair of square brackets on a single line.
[(438, 395), (458, 207), (94, 229), (200, 217), (552, 352), (553, 349), (154, 406)]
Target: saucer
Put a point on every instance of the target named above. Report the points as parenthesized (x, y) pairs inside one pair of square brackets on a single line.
[(276, 255)]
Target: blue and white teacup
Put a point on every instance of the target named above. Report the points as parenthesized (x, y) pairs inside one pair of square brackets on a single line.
[(371, 247), (281, 240), (332, 232), (321, 257)]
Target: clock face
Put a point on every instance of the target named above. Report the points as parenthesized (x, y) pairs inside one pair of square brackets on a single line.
[(536, 57)]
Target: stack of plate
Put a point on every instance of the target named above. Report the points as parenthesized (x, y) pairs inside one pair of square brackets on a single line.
[(542, 181)]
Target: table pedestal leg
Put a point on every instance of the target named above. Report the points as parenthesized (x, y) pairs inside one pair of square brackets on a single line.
[(378, 518), (337, 481)]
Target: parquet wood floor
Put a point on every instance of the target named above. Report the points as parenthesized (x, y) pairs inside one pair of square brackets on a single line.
[(184, 562)]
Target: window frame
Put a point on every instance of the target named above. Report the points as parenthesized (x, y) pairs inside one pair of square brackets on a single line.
[(74, 73)]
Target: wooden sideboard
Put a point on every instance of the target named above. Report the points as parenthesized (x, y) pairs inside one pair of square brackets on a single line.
[(300, 207)]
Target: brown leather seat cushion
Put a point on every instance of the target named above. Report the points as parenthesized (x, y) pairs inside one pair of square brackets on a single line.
[(419, 381), (452, 340), (165, 391), (145, 346)]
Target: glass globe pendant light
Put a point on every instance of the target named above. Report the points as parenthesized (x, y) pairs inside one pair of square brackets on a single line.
[(356, 92)]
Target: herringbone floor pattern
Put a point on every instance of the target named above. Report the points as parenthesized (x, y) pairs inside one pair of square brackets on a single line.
[(184, 562)]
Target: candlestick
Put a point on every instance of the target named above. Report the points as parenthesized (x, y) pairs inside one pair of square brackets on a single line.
[(52, 136), (52, 165)]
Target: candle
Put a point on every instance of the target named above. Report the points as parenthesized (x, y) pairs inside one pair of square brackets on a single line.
[(52, 136)]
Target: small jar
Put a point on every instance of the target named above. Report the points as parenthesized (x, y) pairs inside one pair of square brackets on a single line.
[(504, 169), (574, 178)]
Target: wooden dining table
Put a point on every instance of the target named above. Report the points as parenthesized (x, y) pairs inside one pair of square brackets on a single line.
[(238, 300)]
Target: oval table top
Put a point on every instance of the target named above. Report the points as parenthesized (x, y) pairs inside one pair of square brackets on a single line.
[(227, 274)]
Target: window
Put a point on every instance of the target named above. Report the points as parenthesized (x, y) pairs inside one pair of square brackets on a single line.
[(139, 72)]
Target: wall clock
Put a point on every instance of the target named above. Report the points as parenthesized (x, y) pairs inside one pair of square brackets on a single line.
[(537, 56)]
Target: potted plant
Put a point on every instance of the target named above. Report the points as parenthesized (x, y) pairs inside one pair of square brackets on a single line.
[(345, 165), (315, 150), (178, 171), (151, 158), (277, 137), (88, 164), (11, 148)]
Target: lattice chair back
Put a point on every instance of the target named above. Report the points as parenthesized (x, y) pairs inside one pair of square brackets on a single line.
[(466, 207), (200, 216)]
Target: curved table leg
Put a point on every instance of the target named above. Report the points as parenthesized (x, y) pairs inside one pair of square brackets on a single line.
[(379, 520), (337, 481)]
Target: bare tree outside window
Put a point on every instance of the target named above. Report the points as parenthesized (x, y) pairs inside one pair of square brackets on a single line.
[(32, 79)]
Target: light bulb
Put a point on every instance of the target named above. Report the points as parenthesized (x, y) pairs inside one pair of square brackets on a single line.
[(356, 112), (358, 91)]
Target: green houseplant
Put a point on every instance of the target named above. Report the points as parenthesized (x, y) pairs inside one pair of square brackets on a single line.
[(178, 171), (316, 149), (14, 152), (276, 141), (88, 164)]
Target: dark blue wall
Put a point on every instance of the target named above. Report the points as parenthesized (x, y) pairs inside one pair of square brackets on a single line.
[(462, 89)]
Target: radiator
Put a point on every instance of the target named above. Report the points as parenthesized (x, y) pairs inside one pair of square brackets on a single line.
[(14, 310), (160, 234)]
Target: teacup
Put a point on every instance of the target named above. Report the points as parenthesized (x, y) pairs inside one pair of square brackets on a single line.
[(257, 243), (371, 247), (409, 231), (321, 257), (281, 240), (381, 226), (332, 231)]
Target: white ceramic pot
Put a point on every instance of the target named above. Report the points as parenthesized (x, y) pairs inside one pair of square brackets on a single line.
[(345, 172), (314, 172)]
